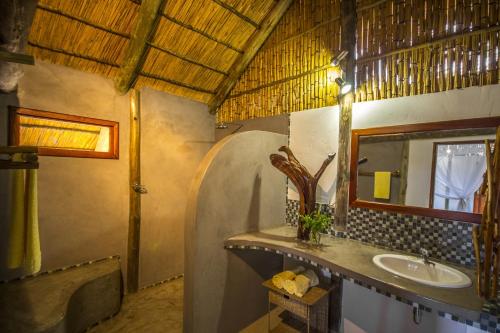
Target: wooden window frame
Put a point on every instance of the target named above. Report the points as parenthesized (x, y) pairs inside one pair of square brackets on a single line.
[(14, 122), (491, 122)]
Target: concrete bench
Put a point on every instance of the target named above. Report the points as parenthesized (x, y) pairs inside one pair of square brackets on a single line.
[(65, 301)]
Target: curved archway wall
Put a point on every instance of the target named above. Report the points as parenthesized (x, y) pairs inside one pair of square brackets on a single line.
[(235, 190)]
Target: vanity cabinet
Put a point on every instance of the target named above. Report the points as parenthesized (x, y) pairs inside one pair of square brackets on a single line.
[(366, 311)]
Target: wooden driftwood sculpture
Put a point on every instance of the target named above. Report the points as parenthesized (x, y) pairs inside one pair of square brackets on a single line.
[(305, 183), (486, 237)]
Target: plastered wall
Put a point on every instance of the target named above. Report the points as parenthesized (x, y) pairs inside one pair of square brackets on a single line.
[(83, 203), (176, 134)]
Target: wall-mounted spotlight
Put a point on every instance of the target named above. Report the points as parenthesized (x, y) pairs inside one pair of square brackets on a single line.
[(338, 58), (345, 87)]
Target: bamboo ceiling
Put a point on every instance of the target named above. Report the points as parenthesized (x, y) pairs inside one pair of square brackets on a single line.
[(189, 52), (404, 47)]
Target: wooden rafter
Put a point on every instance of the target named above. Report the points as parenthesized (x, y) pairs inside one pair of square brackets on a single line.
[(253, 45), (79, 19), (192, 61), (237, 13), (16, 57), (72, 54), (200, 32), (147, 21)]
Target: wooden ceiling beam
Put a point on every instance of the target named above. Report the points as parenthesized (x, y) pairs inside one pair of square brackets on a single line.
[(191, 61), (254, 44), (72, 54), (237, 13), (201, 32), (177, 83), (19, 58), (147, 21)]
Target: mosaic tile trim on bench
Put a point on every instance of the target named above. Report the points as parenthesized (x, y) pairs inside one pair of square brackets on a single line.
[(445, 240), (488, 321)]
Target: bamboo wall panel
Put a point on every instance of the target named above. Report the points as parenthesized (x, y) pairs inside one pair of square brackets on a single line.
[(411, 47), (291, 72), (404, 48)]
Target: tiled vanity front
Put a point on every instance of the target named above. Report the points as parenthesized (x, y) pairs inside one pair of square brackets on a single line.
[(352, 260)]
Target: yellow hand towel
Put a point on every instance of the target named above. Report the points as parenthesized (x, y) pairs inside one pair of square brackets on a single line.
[(24, 241), (382, 185), (280, 278)]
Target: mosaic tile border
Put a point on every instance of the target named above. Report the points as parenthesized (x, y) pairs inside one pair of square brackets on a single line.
[(445, 240), (30, 276), (487, 322)]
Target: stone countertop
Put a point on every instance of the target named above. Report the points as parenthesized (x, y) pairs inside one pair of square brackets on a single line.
[(354, 260)]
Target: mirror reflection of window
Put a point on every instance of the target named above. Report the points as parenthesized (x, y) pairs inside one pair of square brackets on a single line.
[(458, 174)]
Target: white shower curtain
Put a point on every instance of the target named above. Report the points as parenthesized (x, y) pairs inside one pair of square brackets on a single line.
[(457, 178)]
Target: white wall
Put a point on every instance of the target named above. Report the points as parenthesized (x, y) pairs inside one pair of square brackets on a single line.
[(314, 133), (377, 313)]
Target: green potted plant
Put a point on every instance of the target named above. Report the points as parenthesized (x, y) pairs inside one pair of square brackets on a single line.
[(316, 223)]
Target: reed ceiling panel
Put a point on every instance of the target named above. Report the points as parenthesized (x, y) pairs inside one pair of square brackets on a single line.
[(404, 48), (211, 18), (116, 15), (255, 10), (189, 52), (194, 46), (181, 71)]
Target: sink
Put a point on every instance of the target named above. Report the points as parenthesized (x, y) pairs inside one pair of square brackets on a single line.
[(413, 268)]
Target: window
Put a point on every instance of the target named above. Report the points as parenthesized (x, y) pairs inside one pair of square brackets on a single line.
[(57, 134), (457, 175)]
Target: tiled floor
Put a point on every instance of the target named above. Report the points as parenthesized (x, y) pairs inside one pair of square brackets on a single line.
[(153, 310), (159, 310)]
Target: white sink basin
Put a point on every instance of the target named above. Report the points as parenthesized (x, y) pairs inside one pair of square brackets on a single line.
[(415, 269)]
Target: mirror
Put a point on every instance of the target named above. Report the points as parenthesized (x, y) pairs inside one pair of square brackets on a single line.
[(432, 169)]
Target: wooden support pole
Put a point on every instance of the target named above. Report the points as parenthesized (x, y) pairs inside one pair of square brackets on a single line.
[(134, 227), (348, 27), (147, 21), (251, 49)]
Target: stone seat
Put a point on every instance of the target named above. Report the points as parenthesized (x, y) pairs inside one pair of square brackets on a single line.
[(65, 301)]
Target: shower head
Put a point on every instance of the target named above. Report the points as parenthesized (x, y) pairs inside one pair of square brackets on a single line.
[(221, 126)]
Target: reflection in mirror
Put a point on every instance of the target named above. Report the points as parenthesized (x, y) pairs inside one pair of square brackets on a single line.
[(423, 168), (457, 174)]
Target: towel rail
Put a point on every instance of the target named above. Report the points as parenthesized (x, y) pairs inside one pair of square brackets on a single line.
[(395, 173), (29, 156)]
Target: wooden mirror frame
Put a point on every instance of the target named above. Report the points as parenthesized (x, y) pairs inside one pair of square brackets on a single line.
[(492, 122), (14, 115)]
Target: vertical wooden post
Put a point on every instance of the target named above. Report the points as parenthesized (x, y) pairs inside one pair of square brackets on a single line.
[(403, 172), (348, 27), (134, 227)]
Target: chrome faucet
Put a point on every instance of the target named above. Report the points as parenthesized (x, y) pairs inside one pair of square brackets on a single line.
[(424, 254)]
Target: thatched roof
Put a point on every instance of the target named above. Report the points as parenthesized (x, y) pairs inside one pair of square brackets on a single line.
[(190, 52)]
